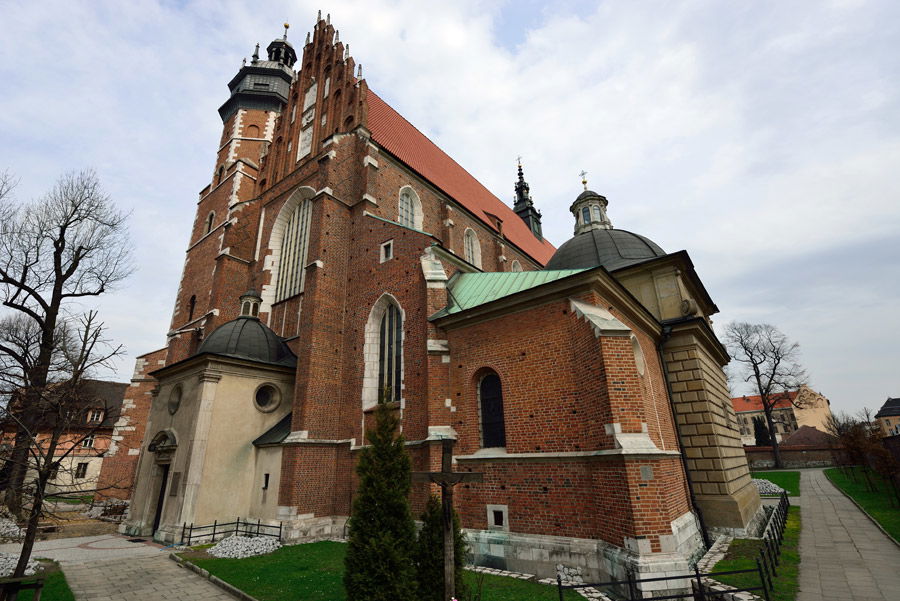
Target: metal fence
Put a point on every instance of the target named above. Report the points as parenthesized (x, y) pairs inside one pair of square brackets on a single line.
[(766, 569), (207, 534)]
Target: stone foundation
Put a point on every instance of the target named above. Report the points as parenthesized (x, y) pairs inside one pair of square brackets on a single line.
[(594, 560)]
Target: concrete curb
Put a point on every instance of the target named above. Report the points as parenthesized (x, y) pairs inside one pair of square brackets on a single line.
[(858, 506), (231, 590)]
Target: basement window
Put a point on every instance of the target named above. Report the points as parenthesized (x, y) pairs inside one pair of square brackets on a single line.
[(387, 251), (498, 517)]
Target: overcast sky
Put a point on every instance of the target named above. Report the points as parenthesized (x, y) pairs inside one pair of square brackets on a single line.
[(762, 137)]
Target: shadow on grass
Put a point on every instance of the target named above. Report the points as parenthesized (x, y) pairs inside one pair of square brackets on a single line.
[(315, 572)]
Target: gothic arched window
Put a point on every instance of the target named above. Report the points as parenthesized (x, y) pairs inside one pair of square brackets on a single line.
[(490, 396), (209, 222), (192, 304), (406, 212), (390, 354), (294, 247), (516, 266), (472, 248), (383, 353)]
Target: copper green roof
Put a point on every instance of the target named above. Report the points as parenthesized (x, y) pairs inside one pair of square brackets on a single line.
[(468, 290)]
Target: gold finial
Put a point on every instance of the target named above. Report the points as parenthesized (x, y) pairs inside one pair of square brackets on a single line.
[(286, 27), (583, 175)]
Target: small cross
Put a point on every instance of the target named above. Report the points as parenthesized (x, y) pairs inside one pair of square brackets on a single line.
[(447, 479)]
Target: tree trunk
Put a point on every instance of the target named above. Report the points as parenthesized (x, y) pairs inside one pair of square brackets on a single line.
[(771, 425), (18, 462)]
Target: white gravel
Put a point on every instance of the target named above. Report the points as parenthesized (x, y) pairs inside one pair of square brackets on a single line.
[(9, 530), (238, 547), (767, 488), (8, 563)]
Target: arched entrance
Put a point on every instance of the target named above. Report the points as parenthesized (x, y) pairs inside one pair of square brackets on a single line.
[(163, 447)]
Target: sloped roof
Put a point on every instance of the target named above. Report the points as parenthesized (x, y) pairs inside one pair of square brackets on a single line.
[(248, 338), (754, 403), (399, 137), (276, 434), (808, 436), (890, 408), (468, 290)]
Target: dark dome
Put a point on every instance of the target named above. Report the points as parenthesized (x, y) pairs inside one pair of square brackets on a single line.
[(589, 194), (613, 249), (248, 338)]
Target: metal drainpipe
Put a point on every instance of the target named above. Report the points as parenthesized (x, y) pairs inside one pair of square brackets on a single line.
[(667, 331)]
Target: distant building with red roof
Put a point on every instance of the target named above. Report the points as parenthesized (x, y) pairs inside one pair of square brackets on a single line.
[(792, 410)]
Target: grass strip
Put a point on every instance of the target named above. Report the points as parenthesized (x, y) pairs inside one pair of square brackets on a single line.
[(743, 552), (881, 505), (789, 481), (55, 586), (315, 572)]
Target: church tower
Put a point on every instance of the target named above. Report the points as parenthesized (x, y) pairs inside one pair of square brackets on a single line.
[(524, 206)]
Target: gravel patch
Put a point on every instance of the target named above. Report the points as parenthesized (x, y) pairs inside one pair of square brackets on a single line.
[(238, 547), (9, 530), (767, 488), (8, 563)]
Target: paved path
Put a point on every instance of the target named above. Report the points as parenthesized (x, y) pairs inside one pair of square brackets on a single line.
[(109, 568), (844, 556), (155, 578)]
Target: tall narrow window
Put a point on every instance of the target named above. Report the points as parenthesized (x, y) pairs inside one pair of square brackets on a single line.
[(585, 215), (407, 213), (192, 304), (597, 215), (493, 428), (516, 266), (209, 222), (409, 208), (294, 247), (390, 354), (472, 248)]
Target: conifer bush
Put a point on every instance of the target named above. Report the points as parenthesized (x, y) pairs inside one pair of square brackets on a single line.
[(430, 554), (379, 563)]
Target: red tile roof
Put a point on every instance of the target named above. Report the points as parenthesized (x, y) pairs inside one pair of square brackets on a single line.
[(754, 403), (399, 137)]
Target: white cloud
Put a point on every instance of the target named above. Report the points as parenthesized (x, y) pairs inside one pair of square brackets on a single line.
[(751, 135)]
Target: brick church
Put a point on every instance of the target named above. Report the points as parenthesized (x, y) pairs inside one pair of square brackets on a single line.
[(337, 256)]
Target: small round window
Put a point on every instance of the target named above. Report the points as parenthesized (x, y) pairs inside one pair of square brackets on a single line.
[(174, 400), (267, 398)]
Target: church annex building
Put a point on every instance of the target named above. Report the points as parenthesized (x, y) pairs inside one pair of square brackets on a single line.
[(338, 256)]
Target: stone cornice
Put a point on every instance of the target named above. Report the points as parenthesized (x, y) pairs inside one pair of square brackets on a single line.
[(700, 329)]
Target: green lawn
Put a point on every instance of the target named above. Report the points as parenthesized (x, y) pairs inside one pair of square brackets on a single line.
[(55, 587), (789, 481), (743, 552), (315, 571), (881, 505), (82, 500)]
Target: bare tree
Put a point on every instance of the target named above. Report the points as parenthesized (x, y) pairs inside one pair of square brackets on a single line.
[(55, 253), (771, 363)]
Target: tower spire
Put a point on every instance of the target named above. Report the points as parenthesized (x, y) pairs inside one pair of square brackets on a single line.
[(255, 58), (524, 206)]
